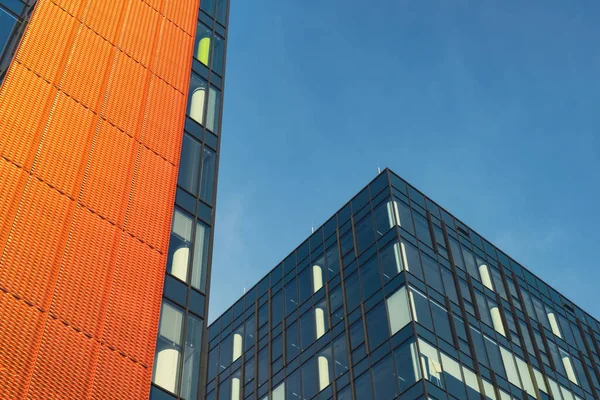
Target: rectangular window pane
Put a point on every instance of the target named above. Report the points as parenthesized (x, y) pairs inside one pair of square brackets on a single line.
[(168, 348), (197, 98), (398, 310), (207, 180), (180, 245), (430, 362), (212, 111), (511, 368), (189, 165), (407, 365), (200, 256), (191, 360)]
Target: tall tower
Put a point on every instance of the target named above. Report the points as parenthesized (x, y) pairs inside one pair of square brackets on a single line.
[(109, 135)]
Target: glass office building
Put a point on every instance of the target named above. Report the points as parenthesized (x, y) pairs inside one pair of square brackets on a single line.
[(393, 297)]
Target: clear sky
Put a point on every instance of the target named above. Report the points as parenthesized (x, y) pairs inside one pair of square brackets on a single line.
[(491, 108)]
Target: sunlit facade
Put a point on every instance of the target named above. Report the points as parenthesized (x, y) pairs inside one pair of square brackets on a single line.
[(110, 116), (394, 297)]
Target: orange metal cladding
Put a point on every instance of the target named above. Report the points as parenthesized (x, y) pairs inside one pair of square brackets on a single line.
[(91, 121)]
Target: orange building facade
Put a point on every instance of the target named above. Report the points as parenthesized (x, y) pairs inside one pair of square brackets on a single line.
[(92, 112)]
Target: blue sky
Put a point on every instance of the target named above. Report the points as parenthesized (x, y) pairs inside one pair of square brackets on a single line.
[(489, 107)]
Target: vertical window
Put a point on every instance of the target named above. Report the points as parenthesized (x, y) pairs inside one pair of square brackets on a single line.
[(384, 379), (309, 378), (376, 326), (420, 308), (496, 318), (407, 365), (484, 274), (212, 110), (203, 43), (189, 165), (292, 342), (236, 387), (279, 392), (317, 275), (398, 310), (221, 11), (553, 322), (168, 348), (410, 259), (453, 377), (566, 360), (422, 229), (525, 376), (180, 245), (511, 368), (238, 344), (472, 385), (362, 387), (218, 54), (430, 362), (191, 359), (340, 355), (197, 98), (207, 181), (370, 277), (391, 261), (365, 235), (200, 256), (321, 324), (263, 366)]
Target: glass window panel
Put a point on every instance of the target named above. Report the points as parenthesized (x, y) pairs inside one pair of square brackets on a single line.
[(484, 311), (340, 356), (449, 285), (197, 98), (221, 11), (304, 285), (333, 260), (370, 277), (453, 377), (279, 392), (191, 359), (207, 181), (357, 334), (430, 363), (189, 164), (525, 376), (203, 43), (384, 379), (384, 217), (406, 221), (510, 366), (292, 340), (218, 54), (420, 308), (307, 329), (365, 235), (168, 348), (490, 393), (291, 297), (320, 317), (250, 331), (441, 322), (352, 291), (212, 110), (422, 227), (226, 352), (362, 387), (377, 326), (208, 6), (407, 365), (200, 256), (494, 356), (473, 391), (293, 389), (479, 346), (276, 308), (391, 261), (263, 366), (470, 263), (456, 253), (398, 310), (180, 245), (309, 378), (410, 259), (432, 272), (213, 363)]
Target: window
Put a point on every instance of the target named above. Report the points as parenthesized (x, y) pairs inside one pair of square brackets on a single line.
[(370, 277), (511, 368), (430, 362), (453, 377), (422, 229), (384, 379), (407, 365), (207, 180), (340, 356), (292, 342), (321, 325), (365, 235), (200, 103), (420, 308), (324, 368), (200, 256), (376, 326), (180, 245), (362, 386), (203, 43), (398, 310), (432, 272), (391, 261), (484, 273), (191, 359), (189, 166), (168, 348), (216, 9), (279, 392), (218, 54)]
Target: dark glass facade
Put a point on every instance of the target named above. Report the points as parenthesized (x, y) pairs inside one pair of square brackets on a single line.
[(393, 297), (14, 15), (180, 352)]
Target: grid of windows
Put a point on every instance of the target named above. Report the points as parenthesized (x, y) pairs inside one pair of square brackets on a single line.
[(178, 372), (394, 296)]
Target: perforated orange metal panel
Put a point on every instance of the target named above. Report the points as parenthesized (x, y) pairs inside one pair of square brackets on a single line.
[(91, 120)]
